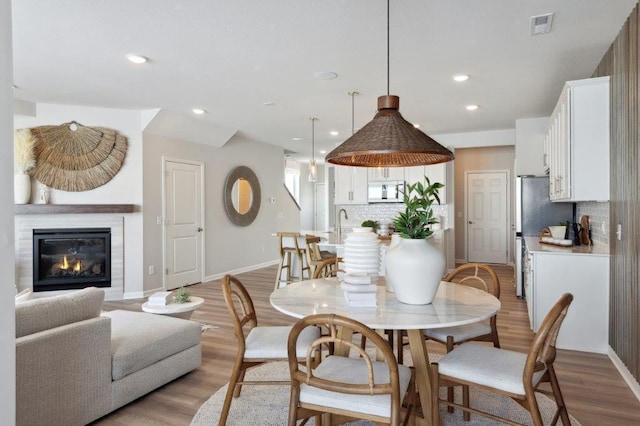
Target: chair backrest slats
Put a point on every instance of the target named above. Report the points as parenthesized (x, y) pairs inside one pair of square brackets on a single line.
[(333, 321), (543, 348), (483, 276)]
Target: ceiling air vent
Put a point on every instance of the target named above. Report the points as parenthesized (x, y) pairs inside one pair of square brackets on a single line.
[(541, 24)]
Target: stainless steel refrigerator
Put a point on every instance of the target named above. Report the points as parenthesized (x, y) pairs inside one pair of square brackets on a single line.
[(535, 211)]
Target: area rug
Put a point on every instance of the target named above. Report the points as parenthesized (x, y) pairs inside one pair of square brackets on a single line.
[(268, 405)]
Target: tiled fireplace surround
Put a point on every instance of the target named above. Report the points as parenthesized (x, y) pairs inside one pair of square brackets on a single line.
[(24, 225)]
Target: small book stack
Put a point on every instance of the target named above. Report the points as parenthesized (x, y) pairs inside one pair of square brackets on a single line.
[(160, 298), (358, 289)]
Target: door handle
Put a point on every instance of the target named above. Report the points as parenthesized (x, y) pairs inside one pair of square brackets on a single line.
[(199, 229), (470, 222)]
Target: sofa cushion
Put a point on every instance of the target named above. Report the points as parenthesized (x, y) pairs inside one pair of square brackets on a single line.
[(45, 313), (139, 339)]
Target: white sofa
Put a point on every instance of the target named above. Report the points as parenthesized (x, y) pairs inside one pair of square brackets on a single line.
[(74, 364)]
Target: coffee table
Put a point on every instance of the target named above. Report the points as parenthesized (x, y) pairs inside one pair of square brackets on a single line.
[(178, 310)]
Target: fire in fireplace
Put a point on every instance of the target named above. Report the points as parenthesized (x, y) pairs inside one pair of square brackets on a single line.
[(66, 259)]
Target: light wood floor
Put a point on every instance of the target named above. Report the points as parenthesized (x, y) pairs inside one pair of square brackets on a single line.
[(593, 389)]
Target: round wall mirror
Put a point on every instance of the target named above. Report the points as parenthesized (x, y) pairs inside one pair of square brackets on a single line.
[(242, 196)]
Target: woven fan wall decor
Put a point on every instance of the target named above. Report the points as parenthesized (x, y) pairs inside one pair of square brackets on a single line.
[(73, 157)]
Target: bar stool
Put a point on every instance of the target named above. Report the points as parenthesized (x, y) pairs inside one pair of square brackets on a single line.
[(314, 255), (287, 251)]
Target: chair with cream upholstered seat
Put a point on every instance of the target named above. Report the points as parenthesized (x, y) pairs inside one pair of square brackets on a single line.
[(510, 373), (484, 278), (256, 344), (360, 388)]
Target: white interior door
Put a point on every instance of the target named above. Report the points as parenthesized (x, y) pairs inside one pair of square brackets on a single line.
[(487, 217), (183, 213), (320, 207)]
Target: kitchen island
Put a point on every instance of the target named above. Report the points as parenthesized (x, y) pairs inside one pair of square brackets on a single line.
[(582, 271)]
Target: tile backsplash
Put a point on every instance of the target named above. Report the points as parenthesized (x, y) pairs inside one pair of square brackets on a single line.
[(381, 212), (598, 220)]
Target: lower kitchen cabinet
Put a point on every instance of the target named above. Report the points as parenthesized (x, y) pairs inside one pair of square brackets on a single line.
[(586, 276)]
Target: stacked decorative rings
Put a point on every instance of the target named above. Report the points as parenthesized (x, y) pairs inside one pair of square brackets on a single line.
[(362, 252)]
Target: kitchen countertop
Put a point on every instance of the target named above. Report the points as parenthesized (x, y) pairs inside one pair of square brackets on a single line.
[(331, 238), (534, 246)]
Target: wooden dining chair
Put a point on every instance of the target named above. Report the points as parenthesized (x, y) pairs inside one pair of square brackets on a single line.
[(289, 248), (480, 276), (256, 344), (327, 268), (509, 373), (360, 388)]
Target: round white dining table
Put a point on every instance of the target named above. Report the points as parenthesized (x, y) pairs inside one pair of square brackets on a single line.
[(453, 305)]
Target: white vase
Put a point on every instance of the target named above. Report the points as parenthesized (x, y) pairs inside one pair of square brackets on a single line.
[(395, 240), (415, 268), (21, 188)]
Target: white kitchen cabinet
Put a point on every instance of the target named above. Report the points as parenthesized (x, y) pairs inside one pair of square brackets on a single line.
[(385, 173), (586, 276), (435, 173), (530, 135), (576, 145), (350, 185)]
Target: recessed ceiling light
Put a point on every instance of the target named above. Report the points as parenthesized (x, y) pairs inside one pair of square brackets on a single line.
[(323, 151), (471, 107), (268, 103), (416, 125), (325, 75), (334, 133), (461, 77), (198, 111), (297, 139), (137, 59)]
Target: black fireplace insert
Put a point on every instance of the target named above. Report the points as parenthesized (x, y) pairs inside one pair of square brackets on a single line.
[(75, 258)]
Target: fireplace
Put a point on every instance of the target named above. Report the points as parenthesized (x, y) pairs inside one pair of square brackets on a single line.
[(74, 258)]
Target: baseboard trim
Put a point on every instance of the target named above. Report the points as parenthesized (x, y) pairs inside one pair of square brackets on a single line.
[(147, 293), (625, 373), (461, 261), (241, 270)]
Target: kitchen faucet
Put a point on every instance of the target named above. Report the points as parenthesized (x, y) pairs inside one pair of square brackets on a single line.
[(340, 223)]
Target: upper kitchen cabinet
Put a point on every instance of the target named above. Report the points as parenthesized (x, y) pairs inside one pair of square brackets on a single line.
[(530, 135), (385, 173), (576, 144), (350, 185), (435, 173)]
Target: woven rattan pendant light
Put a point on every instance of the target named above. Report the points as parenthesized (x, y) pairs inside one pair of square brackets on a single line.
[(389, 140)]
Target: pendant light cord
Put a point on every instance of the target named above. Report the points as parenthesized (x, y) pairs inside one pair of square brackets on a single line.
[(388, 73), (313, 138), (353, 96)]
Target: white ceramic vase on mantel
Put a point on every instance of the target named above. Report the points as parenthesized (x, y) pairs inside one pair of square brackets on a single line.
[(21, 188), (415, 268)]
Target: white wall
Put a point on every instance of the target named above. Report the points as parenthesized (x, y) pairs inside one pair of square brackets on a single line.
[(228, 248), (124, 188), (7, 309)]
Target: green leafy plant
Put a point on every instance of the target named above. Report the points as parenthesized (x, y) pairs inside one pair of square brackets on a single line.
[(182, 296), (414, 222), (371, 224)]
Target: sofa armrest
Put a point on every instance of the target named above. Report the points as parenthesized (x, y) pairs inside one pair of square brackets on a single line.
[(63, 374)]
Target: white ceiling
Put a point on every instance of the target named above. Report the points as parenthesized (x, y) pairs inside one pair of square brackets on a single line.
[(231, 56)]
